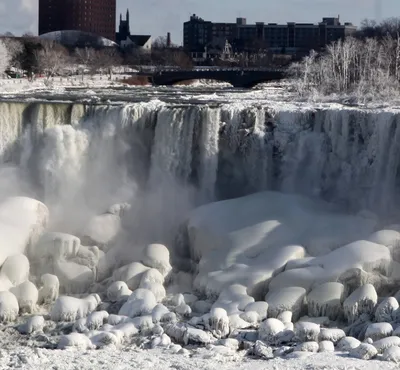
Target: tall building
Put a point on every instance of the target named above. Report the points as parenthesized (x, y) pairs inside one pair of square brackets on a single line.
[(281, 38), (94, 16)]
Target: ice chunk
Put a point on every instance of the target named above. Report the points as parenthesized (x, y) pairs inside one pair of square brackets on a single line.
[(157, 256), (217, 322), (48, 293), (70, 308), (326, 300), (326, 346), (262, 350), (27, 296), (385, 312), (75, 340), (306, 331), (8, 307), (269, 329), (378, 331), (362, 300), (364, 351), (16, 268), (286, 299)]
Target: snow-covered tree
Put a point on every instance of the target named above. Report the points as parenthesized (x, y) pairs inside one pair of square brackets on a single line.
[(51, 59), (4, 57)]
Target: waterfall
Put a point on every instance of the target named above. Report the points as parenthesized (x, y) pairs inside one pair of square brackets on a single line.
[(97, 154)]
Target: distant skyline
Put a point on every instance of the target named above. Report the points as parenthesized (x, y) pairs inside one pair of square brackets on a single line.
[(157, 17)]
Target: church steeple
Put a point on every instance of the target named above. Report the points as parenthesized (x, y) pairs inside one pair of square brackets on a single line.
[(127, 21)]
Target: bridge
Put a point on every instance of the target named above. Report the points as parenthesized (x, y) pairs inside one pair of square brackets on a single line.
[(237, 77)]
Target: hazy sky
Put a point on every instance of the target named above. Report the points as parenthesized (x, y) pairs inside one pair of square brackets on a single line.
[(157, 17)]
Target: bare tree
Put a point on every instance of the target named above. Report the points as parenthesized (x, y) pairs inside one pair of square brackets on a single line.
[(85, 57), (51, 59), (15, 49), (4, 57), (160, 43), (106, 59)]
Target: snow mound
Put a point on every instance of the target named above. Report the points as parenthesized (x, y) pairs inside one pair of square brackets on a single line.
[(118, 290), (286, 299), (347, 344), (331, 335), (233, 298), (157, 256), (307, 331), (16, 268), (261, 308), (8, 307), (385, 343), (27, 296), (362, 300), (130, 274), (326, 300), (259, 240), (307, 347), (269, 329), (364, 351), (31, 325), (385, 312), (326, 346), (140, 302), (392, 354), (378, 331), (75, 340), (70, 308), (96, 320)]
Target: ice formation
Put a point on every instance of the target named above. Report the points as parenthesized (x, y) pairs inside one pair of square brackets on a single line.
[(166, 213)]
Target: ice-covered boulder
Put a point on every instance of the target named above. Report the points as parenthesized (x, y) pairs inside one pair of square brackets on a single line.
[(307, 331), (73, 278), (364, 351), (260, 307), (163, 341), (22, 221), (251, 246), (103, 339), (75, 340), (27, 296), (286, 299), (8, 307), (285, 317), (379, 330), (252, 317), (31, 325), (102, 229), (392, 354), (157, 256), (152, 276), (16, 268), (262, 350), (385, 312), (233, 298), (96, 320), (70, 308), (310, 346), (326, 346), (217, 322), (49, 291), (346, 344), (131, 274), (331, 335), (156, 288), (326, 300), (201, 306), (383, 344), (362, 300), (140, 302), (195, 336), (158, 312), (118, 290), (269, 329)]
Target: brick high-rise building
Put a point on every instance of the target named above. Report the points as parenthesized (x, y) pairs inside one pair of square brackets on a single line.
[(95, 16)]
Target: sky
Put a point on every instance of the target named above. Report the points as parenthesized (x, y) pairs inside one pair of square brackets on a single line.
[(157, 17)]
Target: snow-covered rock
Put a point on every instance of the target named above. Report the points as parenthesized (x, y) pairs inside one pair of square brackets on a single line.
[(383, 344), (379, 330), (70, 308), (131, 274), (16, 268), (75, 340), (140, 302), (307, 331), (331, 335), (385, 312), (251, 317), (162, 341), (118, 290), (392, 354), (156, 288), (260, 307), (157, 256), (196, 337), (286, 299), (233, 298), (269, 329), (103, 339), (201, 306), (31, 325), (346, 344), (152, 276), (158, 312), (262, 350), (362, 300), (326, 300), (364, 351), (256, 243), (310, 346), (74, 278), (285, 317), (326, 346), (48, 292), (27, 296), (217, 322), (8, 307), (96, 320), (183, 310)]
